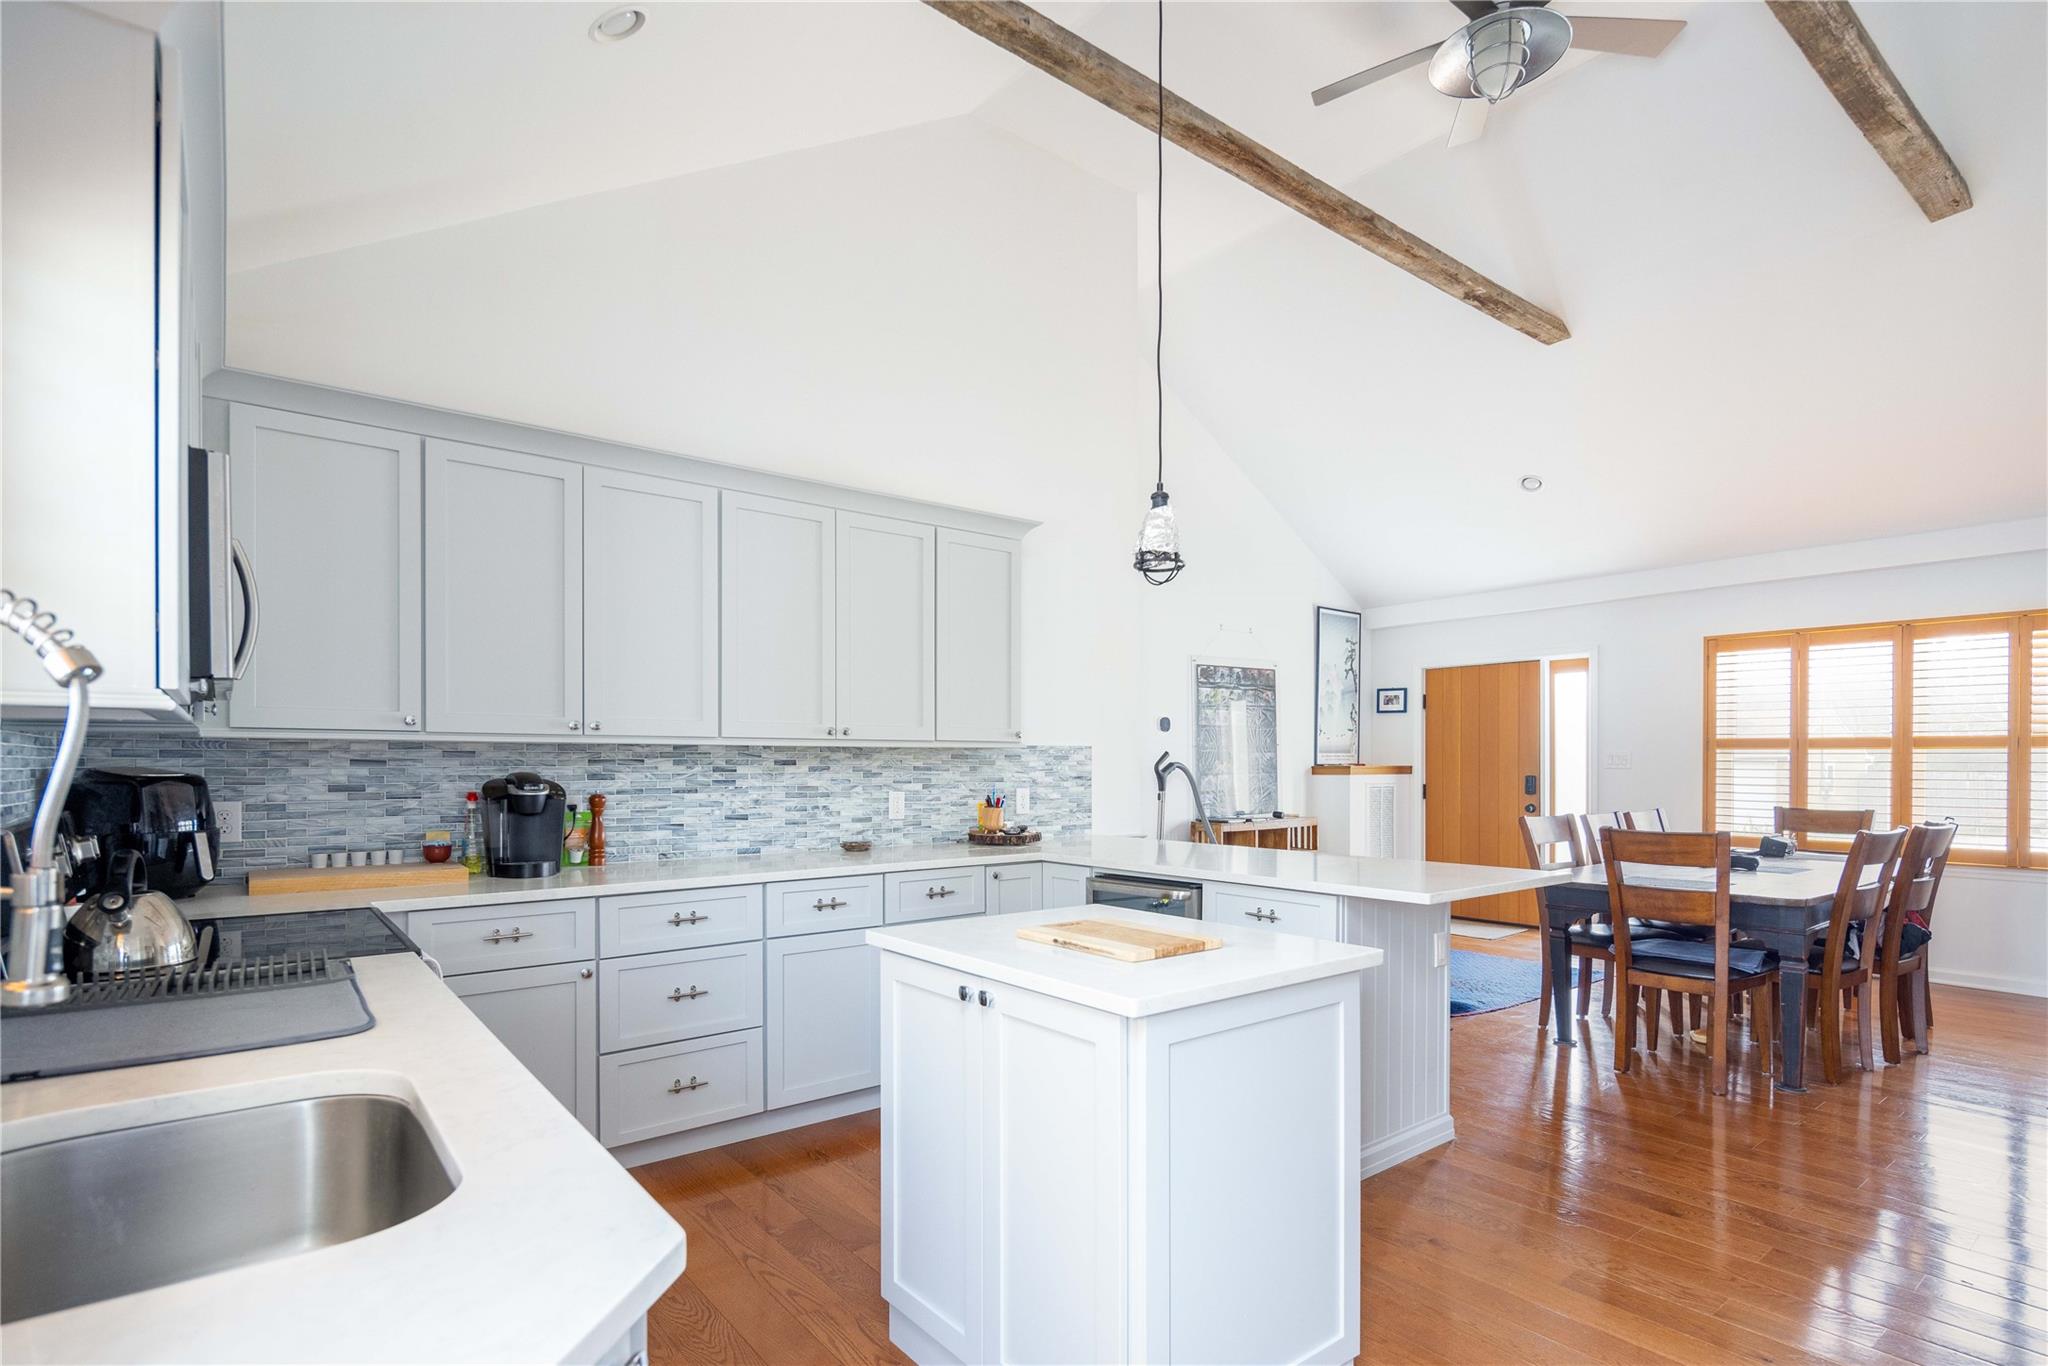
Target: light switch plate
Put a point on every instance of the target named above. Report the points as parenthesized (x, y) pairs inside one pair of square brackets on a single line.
[(1441, 947), (1620, 758), (229, 817), (1023, 801), (895, 806)]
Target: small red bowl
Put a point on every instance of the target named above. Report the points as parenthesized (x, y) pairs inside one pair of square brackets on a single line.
[(437, 853)]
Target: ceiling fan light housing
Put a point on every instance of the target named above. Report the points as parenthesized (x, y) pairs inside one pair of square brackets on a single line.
[(1494, 56)]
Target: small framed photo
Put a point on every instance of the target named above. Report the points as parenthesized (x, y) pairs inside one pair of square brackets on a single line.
[(1388, 700)]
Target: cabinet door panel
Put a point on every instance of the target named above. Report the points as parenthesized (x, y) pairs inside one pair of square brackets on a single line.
[(1066, 884), (504, 591), (932, 1165), (1053, 1181), (330, 515), (548, 1018), (823, 1022), (666, 997), (777, 633), (650, 639), (1016, 888), (936, 895), (671, 1087), (887, 635), (981, 625), (1308, 913)]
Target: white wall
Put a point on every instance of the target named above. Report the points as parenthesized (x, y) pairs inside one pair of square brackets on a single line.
[(943, 312), (1647, 664)]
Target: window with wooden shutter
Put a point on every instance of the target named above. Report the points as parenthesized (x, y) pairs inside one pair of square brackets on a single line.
[(1913, 720)]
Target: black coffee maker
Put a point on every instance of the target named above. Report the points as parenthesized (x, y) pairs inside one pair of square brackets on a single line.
[(523, 825), (166, 819)]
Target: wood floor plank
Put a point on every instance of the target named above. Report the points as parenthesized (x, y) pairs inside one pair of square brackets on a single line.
[(1581, 1216)]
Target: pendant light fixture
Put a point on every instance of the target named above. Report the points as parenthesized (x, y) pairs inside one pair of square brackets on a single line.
[(1158, 557)]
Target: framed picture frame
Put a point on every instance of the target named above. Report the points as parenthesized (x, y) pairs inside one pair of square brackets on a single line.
[(1237, 756), (1340, 687), (1390, 701)]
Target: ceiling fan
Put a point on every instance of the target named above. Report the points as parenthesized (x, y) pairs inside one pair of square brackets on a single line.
[(1505, 45)]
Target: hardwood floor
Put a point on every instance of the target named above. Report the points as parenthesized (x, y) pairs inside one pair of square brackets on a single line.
[(1579, 1217)]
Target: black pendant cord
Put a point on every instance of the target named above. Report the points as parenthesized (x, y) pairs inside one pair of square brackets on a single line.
[(1159, 261)]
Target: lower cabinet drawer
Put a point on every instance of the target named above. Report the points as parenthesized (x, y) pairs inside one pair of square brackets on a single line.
[(934, 895), (1308, 913), (654, 922), (819, 904), (523, 934), (654, 1091), (664, 997)]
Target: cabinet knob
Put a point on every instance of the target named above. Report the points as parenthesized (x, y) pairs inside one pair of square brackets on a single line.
[(845, 731), (412, 720), (585, 974), (986, 999), (1018, 734), (575, 725), (597, 725), (965, 994), (831, 730)]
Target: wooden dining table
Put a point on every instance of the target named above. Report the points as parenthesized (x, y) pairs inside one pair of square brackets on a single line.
[(1783, 905)]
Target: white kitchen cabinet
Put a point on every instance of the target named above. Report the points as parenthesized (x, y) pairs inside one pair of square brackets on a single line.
[(1066, 884), (823, 1018), (659, 998), (655, 922), (1310, 913), (504, 591), (650, 606), (888, 636), (547, 1017), (329, 513), (981, 637), (778, 635), (675, 1086), (520, 934), (1015, 887)]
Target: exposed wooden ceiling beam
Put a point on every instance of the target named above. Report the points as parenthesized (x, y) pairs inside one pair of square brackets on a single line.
[(1849, 64), (1038, 40)]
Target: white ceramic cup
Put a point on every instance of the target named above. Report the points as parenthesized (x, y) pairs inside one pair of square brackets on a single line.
[(377, 858), (358, 858), (319, 860)]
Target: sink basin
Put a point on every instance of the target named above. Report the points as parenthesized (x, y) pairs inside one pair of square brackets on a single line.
[(108, 1214)]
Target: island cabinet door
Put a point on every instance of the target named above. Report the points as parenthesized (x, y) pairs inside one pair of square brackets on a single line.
[(932, 1133), (1054, 1194), (548, 1018), (1016, 889)]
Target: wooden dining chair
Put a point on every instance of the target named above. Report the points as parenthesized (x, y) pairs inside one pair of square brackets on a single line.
[(1590, 826), (1815, 820), (1653, 819), (1904, 1003), (1549, 843), (1710, 967), (1844, 975)]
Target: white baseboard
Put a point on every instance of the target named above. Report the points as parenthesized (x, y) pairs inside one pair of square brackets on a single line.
[(912, 1340), (1399, 1146), (747, 1126), (1991, 981)]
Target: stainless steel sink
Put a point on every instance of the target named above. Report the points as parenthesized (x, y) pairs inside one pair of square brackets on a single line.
[(108, 1214)]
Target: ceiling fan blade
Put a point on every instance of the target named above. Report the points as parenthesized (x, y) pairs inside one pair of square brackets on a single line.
[(1468, 122), (1630, 37), (1374, 73)]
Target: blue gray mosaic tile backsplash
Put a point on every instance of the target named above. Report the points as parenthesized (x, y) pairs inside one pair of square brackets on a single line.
[(663, 801)]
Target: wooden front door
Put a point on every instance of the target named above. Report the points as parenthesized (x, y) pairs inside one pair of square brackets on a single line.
[(1483, 736)]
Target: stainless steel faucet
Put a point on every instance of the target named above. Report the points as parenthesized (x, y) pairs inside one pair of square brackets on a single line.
[(1160, 768), (33, 979)]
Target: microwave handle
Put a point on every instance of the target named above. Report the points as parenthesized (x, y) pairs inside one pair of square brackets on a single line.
[(252, 614)]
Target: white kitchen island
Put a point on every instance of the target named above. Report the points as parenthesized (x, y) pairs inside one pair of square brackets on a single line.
[(1091, 1160)]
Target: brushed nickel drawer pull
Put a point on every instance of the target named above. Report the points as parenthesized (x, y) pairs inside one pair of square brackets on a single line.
[(497, 936), (932, 893), (677, 1087), (834, 904), (692, 994), (1264, 914), (691, 919)]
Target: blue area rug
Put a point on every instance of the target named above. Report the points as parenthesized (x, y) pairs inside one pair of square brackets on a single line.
[(1483, 982)]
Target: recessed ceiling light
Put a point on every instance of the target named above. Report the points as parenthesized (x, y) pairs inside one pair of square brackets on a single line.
[(617, 25), (1530, 483)]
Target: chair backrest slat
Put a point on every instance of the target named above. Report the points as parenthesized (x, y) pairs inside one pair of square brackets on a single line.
[(1815, 820), (1590, 827), (1653, 819), (1551, 842)]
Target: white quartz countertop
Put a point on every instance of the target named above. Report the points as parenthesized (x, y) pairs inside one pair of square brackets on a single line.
[(547, 1250), (1251, 959), (1408, 881)]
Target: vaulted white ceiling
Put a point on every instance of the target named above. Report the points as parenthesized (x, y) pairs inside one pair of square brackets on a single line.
[(1771, 346)]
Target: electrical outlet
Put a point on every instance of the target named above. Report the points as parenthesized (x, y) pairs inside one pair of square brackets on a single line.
[(1441, 947), (1023, 801), (895, 806), (228, 815), (1620, 758)]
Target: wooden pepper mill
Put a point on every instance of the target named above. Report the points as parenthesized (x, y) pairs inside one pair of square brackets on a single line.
[(596, 829)]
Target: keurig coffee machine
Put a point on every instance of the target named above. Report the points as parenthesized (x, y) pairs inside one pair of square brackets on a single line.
[(523, 825)]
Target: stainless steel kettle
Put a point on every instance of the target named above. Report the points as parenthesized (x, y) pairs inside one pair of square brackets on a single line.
[(124, 927)]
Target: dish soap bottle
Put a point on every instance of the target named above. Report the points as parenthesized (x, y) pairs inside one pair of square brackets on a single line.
[(472, 836), (576, 848)]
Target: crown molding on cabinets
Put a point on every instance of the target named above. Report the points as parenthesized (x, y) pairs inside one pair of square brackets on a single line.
[(269, 391)]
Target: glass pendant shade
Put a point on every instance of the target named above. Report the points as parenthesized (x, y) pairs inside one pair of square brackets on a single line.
[(1497, 56), (1158, 557)]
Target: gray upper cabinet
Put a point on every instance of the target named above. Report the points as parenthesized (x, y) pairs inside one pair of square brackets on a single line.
[(504, 591), (330, 515), (981, 626), (650, 613), (778, 633), (888, 635)]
